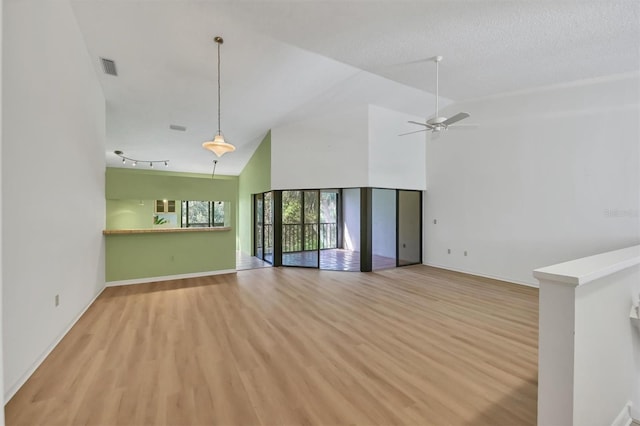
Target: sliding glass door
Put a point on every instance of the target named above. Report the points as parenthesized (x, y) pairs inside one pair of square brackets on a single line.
[(409, 227), (321, 228), (300, 214), (263, 232), (258, 220), (383, 228), (396, 216), (268, 227)]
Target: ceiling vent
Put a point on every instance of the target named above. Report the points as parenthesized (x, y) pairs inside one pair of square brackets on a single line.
[(109, 66), (176, 127)]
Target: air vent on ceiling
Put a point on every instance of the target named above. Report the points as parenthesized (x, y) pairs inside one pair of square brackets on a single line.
[(109, 66), (176, 127)]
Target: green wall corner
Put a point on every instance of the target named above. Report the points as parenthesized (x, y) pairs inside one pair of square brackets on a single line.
[(155, 255), (255, 178)]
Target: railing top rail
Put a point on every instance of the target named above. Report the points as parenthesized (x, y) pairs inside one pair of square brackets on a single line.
[(581, 271)]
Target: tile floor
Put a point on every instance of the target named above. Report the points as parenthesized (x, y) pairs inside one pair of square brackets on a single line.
[(244, 262), (331, 260)]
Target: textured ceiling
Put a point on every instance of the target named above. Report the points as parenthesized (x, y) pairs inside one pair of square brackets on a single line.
[(489, 46), (283, 60)]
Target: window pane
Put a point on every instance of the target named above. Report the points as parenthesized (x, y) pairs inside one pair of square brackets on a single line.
[(291, 207), (383, 228), (218, 213), (198, 213), (258, 235), (268, 227), (328, 220), (311, 220), (409, 223), (291, 221)]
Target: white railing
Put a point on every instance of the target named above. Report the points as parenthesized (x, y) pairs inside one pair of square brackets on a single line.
[(589, 350)]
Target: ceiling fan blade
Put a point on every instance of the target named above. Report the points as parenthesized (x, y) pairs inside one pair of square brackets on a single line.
[(428, 126), (455, 118), (410, 133), (463, 127)]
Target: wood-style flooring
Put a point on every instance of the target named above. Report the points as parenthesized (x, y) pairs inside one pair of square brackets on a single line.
[(291, 346)]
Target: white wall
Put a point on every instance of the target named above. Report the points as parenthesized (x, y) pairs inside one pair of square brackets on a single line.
[(383, 222), (605, 371), (327, 151), (589, 347), (395, 161), (549, 175), (353, 147), (53, 165), (351, 218)]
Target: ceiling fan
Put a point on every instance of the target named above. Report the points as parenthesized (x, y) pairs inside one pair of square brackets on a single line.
[(437, 123)]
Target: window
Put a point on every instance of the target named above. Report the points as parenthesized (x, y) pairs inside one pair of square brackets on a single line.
[(165, 206), (204, 214)]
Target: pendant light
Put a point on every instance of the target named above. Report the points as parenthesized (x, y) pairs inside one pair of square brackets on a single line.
[(218, 145)]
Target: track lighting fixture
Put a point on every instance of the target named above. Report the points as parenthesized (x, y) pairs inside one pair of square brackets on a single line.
[(134, 162)]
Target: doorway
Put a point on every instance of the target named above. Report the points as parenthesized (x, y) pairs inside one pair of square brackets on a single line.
[(263, 230), (310, 228)]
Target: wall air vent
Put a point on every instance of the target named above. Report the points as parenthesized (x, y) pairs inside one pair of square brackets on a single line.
[(109, 66), (176, 127)]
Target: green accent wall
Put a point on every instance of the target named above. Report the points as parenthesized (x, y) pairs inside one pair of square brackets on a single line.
[(130, 184), (155, 255), (135, 256), (255, 178)]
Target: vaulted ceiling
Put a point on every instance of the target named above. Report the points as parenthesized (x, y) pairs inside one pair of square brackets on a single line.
[(284, 59)]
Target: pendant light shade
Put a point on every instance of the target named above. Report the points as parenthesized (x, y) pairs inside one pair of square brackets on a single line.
[(218, 145)]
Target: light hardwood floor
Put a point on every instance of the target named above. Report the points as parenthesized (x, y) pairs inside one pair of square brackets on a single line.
[(288, 346)]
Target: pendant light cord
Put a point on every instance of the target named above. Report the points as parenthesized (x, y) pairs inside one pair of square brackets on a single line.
[(437, 84), (219, 132)]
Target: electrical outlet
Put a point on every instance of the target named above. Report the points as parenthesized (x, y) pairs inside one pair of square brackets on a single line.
[(435, 221), (57, 300), (448, 251), (465, 252)]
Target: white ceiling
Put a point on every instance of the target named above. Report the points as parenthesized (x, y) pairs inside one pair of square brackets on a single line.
[(282, 60)]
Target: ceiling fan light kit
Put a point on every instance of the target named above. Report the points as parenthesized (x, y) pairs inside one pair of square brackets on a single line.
[(437, 123), (218, 145)]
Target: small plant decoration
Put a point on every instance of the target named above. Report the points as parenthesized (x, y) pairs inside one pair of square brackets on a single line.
[(157, 220)]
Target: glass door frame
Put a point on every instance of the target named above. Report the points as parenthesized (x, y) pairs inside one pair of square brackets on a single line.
[(258, 222), (421, 245), (256, 198)]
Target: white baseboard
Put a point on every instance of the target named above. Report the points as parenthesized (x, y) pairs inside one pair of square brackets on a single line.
[(23, 379), (624, 417), (494, 277), (169, 277)]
